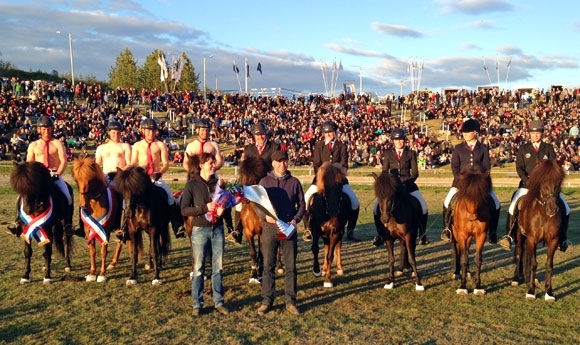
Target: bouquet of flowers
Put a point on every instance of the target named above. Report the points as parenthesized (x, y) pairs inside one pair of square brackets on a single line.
[(227, 195)]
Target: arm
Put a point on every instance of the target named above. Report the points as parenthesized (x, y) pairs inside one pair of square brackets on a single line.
[(316, 157), (135, 154), (343, 155), (414, 168), (186, 154), (219, 159), (164, 163), (127, 155), (486, 162), (187, 202), (30, 156), (99, 155)]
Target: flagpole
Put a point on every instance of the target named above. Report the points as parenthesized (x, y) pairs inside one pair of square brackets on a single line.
[(508, 72), (323, 68), (246, 73), (237, 72), (486, 70), (420, 73), (497, 68)]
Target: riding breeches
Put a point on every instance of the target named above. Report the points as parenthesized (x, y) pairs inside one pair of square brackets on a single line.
[(59, 182), (346, 189), (417, 195), (454, 190), (523, 191), (170, 197)]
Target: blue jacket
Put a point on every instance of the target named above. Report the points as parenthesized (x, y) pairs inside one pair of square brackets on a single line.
[(286, 195)]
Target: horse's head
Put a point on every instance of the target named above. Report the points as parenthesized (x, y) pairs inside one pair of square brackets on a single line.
[(90, 180), (546, 183), (386, 186), (32, 182), (252, 169), (329, 180), (132, 183)]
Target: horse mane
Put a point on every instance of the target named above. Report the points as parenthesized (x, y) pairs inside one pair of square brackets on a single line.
[(133, 180), (386, 185), (474, 184), (329, 175), (31, 178), (87, 169), (548, 171), (252, 169)]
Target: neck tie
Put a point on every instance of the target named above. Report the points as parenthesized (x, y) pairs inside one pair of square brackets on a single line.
[(46, 153), (471, 147), (398, 155), (260, 149), (536, 146), (150, 169), (201, 145), (330, 145)]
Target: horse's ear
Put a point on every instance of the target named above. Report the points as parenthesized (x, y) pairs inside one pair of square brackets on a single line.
[(119, 169)]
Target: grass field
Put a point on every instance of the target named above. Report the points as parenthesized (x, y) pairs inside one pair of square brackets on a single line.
[(356, 311)]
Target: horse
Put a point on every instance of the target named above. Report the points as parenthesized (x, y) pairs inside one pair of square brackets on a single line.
[(471, 217), (42, 208), (100, 209), (146, 210), (539, 220), (397, 217), (330, 211)]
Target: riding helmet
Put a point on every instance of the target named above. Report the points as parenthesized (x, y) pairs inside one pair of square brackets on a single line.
[(259, 128), (536, 126), (149, 124), (328, 126), (114, 125), (202, 123), (397, 133), (470, 125), (45, 121)]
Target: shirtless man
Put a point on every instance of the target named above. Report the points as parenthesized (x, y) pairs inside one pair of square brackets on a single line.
[(50, 152), (113, 154), (152, 155), (203, 144)]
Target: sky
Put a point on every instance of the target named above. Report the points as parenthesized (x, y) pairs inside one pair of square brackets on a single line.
[(383, 44)]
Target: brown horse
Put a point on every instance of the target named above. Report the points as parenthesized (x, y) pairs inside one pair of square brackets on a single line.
[(41, 209), (146, 210), (397, 217), (539, 220), (471, 218), (100, 209), (330, 211)]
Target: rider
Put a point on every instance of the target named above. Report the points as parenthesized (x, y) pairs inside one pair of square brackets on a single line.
[(529, 154), (403, 161), (152, 155), (50, 152), (331, 150), (469, 153), (113, 154)]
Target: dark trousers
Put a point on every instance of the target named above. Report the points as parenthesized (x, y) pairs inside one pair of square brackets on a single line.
[(289, 250)]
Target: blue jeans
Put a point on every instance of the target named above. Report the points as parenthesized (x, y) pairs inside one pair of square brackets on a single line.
[(202, 238), (289, 250)]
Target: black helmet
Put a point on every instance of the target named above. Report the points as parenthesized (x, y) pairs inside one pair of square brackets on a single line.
[(470, 126), (202, 123), (114, 125), (259, 128), (45, 121), (148, 124), (397, 133), (536, 126), (328, 126)]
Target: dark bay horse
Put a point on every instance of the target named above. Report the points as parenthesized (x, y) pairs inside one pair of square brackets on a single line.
[(100, 209), (330, 211), (397, 217), (42, 209), (146, 210), (471, 217), (539, 220)]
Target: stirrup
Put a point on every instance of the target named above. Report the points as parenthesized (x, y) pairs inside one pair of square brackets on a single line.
[(446, 235), (506, 242), (307, 235)]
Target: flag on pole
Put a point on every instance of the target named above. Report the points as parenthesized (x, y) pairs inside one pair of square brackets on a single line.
[(259, 69), (340, 65), (334, 66), (163, 65), (497, 63), (180, 63), (236, 70), (247, 69), (509, 63)]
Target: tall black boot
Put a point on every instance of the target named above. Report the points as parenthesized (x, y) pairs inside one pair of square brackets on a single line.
[(177, 221), (563, 236), (510, 231), (351, 225), (423, 229), (446, 234), (68, 216), (492, 229)]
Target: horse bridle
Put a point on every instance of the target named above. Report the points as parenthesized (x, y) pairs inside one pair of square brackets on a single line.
[(543, 200)]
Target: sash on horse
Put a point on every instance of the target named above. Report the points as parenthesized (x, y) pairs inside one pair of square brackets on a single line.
[(35, 225), (97, 226)]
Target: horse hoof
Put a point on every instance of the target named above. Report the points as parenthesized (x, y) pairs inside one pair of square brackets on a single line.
[(549, 298), (419, 287), (389, 286), (536, 281), (530, 297), (413, 274), (67, 269), (398, 273), (110, 267), (280, 271), (24, 281), (515, 283), (316, 274), (461, 291), (254, 281), (455, 276), (43, 268), (468, 275), (90, 278), (147, 267), (101, 279), (340, 272), (328, 284), (47, 281), (131, 282), (156, 282), (479, 292)]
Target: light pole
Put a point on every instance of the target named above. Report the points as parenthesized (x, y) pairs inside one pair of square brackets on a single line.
[(72, 64), (204, 87)]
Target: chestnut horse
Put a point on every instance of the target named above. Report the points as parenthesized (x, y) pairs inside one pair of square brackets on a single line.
[(146, 210), (539, 220), (100, 209), (330, 211), (41, 209), (471, 217), (397, 217)]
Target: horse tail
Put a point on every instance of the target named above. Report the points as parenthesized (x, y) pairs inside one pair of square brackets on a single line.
[(164, 241)]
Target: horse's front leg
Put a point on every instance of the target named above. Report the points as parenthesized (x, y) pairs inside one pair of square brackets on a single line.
[(549, 297), (103, 272), (47, 262), (254, 279), (315, 250), (134, 258), (463, 252), (91, 277), (338, 254), (328, 258), (411, 244), (403, 260), (27, 258), (155, 243), (455, 260), (478, 290), (518, 261), (391, 254), (115, 259), (533, 266), (67, 241)]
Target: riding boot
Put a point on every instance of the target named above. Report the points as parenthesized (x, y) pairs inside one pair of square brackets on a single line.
[(446, 234), (423, 229), (493, 224), (176, 221), (68, 228), (307, 235), (510, 226), (235, 234), (352, 219), (563, 236)]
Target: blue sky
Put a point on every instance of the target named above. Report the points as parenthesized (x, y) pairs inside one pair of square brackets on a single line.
[(374, 39)]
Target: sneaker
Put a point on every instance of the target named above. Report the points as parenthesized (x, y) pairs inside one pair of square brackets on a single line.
[(350, 236), (505, 242), (378, 241), (564, 245), (196, 312), (264, 309), (446, 235), (222, 310), (292, 309), (307, 235), (180, 233)]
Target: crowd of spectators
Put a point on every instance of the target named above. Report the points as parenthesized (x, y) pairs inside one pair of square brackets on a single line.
[(81, 114)]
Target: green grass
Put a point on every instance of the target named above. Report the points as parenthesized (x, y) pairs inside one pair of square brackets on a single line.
[(356, 311)]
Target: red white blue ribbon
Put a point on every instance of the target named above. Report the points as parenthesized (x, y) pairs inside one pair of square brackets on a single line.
[(97, 226), (34, 225)]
